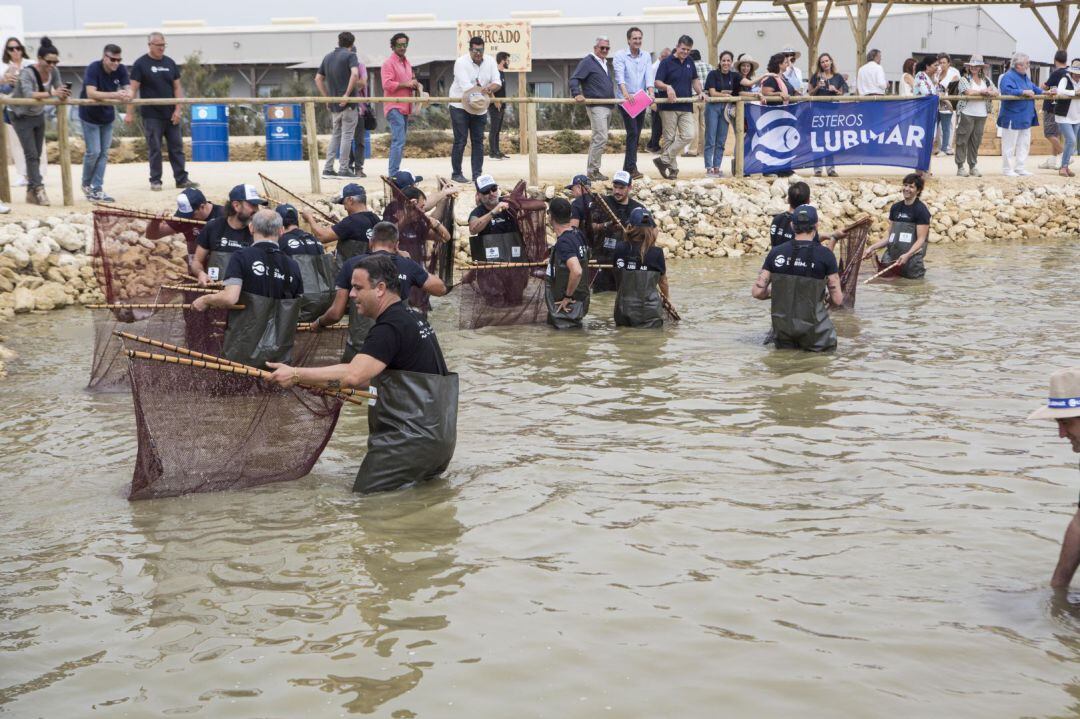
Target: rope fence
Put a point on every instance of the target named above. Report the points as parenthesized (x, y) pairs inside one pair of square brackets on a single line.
[(528, 119)]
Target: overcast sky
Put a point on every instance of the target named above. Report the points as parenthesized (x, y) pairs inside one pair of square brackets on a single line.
[(39, 15)]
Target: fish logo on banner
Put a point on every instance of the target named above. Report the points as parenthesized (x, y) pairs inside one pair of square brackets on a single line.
[(776, 139)]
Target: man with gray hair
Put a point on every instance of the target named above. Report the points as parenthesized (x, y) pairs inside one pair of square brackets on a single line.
[(871, 78), (592, 80), (156, 75)]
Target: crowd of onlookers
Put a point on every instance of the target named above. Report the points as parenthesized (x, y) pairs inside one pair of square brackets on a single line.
[(628, 78)]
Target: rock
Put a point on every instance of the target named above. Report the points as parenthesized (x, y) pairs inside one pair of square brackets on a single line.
[(50, 295), (23, 300), (19, 256)]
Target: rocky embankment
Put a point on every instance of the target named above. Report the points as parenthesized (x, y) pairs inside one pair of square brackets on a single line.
[(46, 264)]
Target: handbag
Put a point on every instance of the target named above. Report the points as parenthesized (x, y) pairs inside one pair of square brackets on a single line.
[(370, 123)]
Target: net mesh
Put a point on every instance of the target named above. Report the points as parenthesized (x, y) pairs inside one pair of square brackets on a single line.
[(495, 294), (278, 194), (849, 254), (129, 266), (422, 241)]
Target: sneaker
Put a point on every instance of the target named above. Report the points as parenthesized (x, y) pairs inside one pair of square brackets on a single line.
[(102, 196), (347, 173), (1050, 163), (597, 177), (817, 173), (503, 156), (975, 171), (458, 177), (4, 209), (948, 152), (186, 185), (1024, 173), (832, 173), (155, 186), (635, 175), (88, 193), (37, 196), (961, 172), (329, 175), (662, 166), (21, 182), (1008, 173), (360, 172)]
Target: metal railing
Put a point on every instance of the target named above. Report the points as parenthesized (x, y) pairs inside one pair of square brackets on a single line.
[(528, 121)]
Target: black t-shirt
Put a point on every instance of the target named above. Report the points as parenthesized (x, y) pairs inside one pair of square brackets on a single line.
[(571, 243), (155, 78), (622, 211), (263, 269), (578, 209), (216, 211), (781, 231), (628, 257), (403, 340), (1053, 81), (501, 92), (916, 212), (794, 258), (410, 273), (729, 81), (500, 222), (356, 226), (770, 82), (298, 242), (219, 236), (337, 68)]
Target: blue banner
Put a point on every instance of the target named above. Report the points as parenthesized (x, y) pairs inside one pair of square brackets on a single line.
[(784, 137)]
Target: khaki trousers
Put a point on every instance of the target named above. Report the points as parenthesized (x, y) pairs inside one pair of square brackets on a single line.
[(679, 131)]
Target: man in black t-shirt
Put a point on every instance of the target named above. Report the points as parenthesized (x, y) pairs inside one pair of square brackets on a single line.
[(797, 276), (567, 291), (581, 204), (351, 233), (294, 241), (492, 216), (1050, 128), (497, 110), (155, 75), (191, 204), (225, 235), (908, 234)]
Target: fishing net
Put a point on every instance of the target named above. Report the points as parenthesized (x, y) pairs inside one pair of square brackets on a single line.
[(849, 254), (129, 266), (510, 293), (421, 240), (278, 194)]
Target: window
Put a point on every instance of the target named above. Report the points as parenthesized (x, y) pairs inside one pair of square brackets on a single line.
[(541, 89), (267, 90)]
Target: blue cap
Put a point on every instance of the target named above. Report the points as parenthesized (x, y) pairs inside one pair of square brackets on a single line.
[(579, 180), (404, 178), (246, 193), (804, 216), (640, 217), (288, 213), (351, 190), (188, 201)]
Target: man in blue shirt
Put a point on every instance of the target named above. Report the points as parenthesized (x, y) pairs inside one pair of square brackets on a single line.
[(105, 79), (633, 73), (677, 77), (591, 80)]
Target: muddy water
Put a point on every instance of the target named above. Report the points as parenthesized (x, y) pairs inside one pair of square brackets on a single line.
[(676, 523)]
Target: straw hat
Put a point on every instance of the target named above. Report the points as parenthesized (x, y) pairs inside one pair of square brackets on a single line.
[(422, 100), (1064, 401), (789, 50), (474, 101), (1074, 69), (745, 57), (975, 61)]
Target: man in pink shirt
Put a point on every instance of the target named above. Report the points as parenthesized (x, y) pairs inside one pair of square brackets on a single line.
[(398, 81)]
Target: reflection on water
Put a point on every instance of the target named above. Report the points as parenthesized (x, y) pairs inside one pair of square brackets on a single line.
[(636, 523)]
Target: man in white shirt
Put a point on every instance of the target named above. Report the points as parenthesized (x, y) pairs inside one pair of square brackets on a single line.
[(634, 72), (871, 78), (472, 70)]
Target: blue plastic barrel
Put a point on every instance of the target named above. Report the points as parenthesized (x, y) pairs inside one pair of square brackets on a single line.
[(209, 133), (283, 133)]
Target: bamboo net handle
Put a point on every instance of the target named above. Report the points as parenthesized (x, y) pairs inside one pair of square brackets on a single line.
[(150, 306), (145, 214), (313, 327), (504, 265), (191, 288), (325, 217), (868, 281)]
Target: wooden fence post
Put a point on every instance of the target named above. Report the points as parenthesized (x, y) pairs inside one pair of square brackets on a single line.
[(740, 136), (312, 131), (5, 179), (523, 133), (534, 174), (65, 153)]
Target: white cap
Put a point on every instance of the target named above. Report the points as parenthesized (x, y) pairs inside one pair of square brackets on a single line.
[(183, 204), (485, 181), (621, 177)]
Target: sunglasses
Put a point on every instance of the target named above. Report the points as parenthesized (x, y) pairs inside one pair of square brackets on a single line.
[(13, 48), (488, 192), (157, 44), (114, 59), (401, 44), (52, 62), (476, 49), (603, 48)]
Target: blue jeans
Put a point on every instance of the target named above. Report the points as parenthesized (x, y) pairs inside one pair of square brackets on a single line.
[(1068, 133), (467, 128), (98, 138), (716, 129), (945, 121), (399, 125)]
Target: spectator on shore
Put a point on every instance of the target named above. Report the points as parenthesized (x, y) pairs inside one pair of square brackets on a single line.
[(721, 82), (38, 81), (633, 73), (657, 126), (105, 79), (13, 58), (871, 79), (355, 163), (947, 76), (926, 77), (826, 82), (475, 75), (775, 83), (907, 78), (398, 80), (1017, 117), (676, 77), (497, 110), (591, 80), (1067, 111), (339, 76), (703, 69), (1050, 128), (792, 73), (747, 67), (972, 115), (156, 75)]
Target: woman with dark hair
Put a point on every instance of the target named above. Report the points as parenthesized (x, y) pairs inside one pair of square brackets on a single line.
[(746, 67), (38, 81), (642, 274), (826, 82), (907, 78), (926, 77), (775, 83), (14, 56), (721, 82)]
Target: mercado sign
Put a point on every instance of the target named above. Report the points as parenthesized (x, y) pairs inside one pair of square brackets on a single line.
[(512, 36)]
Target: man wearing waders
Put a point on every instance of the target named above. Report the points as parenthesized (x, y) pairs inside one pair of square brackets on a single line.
[(1063, 406), (566, 293), (412, 425), (909, 232), (798, 276), (317, 267), (351, 234), (222, 237), (608, 232), (268, 284), (384, 241)]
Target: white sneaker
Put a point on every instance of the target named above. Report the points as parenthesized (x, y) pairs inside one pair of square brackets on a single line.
[(1008, 173), (1024, 173), (4, 209), (1049, 163), (21, 182)]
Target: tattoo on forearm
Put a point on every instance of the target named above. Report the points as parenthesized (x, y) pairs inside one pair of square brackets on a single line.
[(333, 384)]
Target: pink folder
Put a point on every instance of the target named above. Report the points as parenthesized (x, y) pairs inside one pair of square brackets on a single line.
[(637, 104)]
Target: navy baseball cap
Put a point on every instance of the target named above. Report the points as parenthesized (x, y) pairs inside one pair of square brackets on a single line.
[(640, 217), (351, 190), (288, 213), (246, 193), (404, 178), (188, 201), (579, 180), (804, 216)]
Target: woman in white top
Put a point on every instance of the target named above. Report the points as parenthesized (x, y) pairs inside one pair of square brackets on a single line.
[(972, 114), (1067, 112), (907, 78), (10, 67)]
